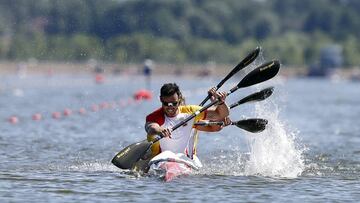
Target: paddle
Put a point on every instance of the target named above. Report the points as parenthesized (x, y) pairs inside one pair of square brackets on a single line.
[(257, 96), (253, 125), (127, 157), (245, 62)]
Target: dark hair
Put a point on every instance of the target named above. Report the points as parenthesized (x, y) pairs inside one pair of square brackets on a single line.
[(169, 89)]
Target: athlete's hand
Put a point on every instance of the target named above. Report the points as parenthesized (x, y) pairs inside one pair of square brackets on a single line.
[(217, 95), (212, 93), (227, 121), (165, 132), (221, 96)]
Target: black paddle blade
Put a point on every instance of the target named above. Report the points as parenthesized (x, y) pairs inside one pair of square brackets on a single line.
[(251, 57), (245, 62), (257, 96), (127, 157), (253, 125), (262, 73)]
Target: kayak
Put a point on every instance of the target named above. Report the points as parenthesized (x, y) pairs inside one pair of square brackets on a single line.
[(169, 165)]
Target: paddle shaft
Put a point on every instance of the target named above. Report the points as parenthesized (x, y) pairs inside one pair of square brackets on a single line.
[(245, 62), (209, 123), (253, 125)]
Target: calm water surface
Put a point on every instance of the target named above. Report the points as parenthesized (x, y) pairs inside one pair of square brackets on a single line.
[(310, 151)]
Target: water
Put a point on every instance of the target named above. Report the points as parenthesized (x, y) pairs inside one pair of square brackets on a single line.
[(309, 152)]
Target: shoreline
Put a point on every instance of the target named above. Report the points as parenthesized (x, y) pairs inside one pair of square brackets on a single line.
[(13, 68), (83, 68)]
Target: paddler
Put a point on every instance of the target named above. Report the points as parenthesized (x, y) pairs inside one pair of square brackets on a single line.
[(214, 128), (172, 111)]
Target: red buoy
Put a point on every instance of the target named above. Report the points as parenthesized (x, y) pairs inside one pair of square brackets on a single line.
[(13, 120), (94, 108), (82, 111), (99, 78), (104, 105), (143, 95), (36, 117), (56, 115), (67, 112)]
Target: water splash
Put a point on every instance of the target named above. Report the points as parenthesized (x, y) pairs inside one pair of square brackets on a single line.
[(85, 166), (274, 152), (92, 167), (226, 162)]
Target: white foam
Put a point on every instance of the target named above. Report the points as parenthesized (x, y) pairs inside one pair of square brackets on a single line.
[(274, 152), (91, 166)]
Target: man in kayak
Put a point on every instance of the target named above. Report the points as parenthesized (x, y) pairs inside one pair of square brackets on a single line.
[(172, 111)]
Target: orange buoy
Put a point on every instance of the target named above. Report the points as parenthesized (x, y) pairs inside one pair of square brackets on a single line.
[(67, 112), (56, 115), (94, 108), (13, 120), (99, 78), (82, 111), (143, 95), (104, 105), (36, 117)]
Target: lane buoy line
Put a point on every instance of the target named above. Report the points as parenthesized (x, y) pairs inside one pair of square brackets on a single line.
[(138, 98)]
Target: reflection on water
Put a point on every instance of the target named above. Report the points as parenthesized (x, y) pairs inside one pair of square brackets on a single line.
[(309, 150)]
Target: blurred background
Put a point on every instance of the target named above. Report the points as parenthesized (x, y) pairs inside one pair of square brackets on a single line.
[(316, 38), (78, 77)]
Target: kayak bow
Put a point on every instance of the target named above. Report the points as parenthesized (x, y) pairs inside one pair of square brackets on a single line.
[(169, 165)]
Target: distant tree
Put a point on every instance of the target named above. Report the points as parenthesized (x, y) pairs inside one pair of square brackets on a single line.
[(84, 47), (177, 30), (351, 52)]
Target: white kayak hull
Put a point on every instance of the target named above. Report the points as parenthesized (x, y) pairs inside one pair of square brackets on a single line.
[(169, 165)]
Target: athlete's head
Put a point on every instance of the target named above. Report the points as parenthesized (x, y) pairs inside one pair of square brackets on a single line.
[(171, 98)]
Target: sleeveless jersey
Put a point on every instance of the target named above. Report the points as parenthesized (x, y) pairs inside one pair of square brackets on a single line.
[(182, 140)]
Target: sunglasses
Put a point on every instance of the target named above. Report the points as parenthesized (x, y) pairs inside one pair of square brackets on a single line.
[(170, 103)]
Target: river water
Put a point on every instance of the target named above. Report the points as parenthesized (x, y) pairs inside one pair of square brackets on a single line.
[(309, 152)]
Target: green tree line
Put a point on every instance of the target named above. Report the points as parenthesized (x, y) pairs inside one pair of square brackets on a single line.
[(178, 31)]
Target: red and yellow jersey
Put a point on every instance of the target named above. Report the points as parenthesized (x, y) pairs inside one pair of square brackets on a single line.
[(184, 139)]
